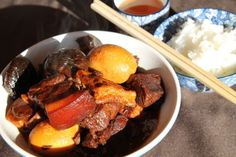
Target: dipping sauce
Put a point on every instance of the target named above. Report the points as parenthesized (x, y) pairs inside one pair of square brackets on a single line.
[(141, 7)]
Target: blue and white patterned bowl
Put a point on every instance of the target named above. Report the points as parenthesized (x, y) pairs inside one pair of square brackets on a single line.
[(169, 27), (147, 19)]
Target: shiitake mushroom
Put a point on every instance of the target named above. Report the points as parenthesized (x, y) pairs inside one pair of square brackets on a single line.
[(65, 61), (19, 76), (87, 43)]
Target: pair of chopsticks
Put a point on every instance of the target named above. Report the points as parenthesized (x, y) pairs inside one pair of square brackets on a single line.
[(181, 61)]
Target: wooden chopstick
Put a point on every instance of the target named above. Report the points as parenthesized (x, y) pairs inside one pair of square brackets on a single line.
[(172, 55)]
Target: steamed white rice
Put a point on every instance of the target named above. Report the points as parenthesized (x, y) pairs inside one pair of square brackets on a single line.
[(210, 46)]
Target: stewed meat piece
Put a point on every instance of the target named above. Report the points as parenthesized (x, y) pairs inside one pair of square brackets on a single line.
[(105, 91), (147, 86), (131, 112), (19, 113), (101, 137), (23, 115), (70, 110), (114, 127), (50, 89), (101, 118), (115, 93), (65, 105)]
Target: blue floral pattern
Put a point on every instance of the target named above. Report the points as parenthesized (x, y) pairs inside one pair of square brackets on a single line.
[(169, 27)]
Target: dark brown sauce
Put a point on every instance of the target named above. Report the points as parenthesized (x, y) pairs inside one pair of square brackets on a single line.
[(129, 139), (144, 9)]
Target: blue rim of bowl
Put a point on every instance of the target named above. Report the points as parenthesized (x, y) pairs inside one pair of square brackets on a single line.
[(168, 1), (189, 10), (220, 77), (184, 12), (172, 17)]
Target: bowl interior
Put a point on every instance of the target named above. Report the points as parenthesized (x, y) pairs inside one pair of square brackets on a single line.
[(148, 59)]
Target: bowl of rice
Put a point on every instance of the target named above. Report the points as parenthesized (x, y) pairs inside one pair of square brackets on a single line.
[(207, 37)]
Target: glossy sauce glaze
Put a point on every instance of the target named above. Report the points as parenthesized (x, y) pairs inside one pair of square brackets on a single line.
[(130, 139)]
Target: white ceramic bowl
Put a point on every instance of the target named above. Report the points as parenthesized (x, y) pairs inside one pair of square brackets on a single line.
[(149, 59)]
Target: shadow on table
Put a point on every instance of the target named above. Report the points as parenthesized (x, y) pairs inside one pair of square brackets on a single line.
[(22, 26)]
